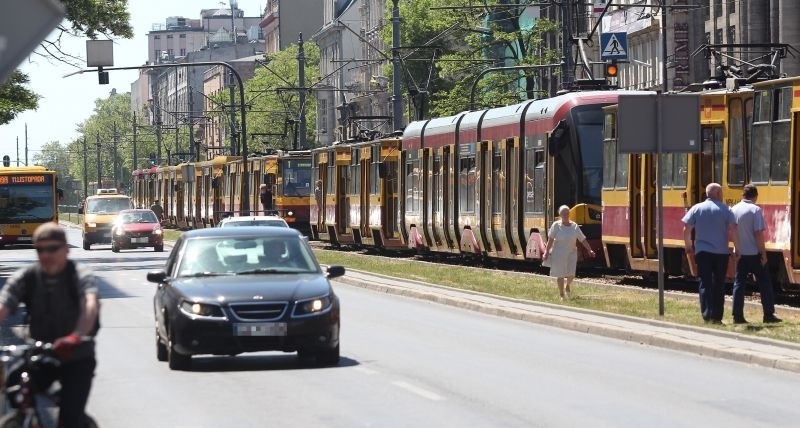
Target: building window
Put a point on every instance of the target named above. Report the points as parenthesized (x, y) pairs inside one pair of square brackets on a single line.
[(708, 38), (718, 36), (732, 6), (170, 52), (717, 8), (323, 114), (706, 10), (732, 34), (157, 53), (169, 36), (182, 36), (157, 37), (183, 51)]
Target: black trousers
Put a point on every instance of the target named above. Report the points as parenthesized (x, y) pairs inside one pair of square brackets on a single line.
[(712, 269), (76, 382)]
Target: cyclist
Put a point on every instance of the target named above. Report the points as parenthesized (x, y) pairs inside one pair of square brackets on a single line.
[(62, 307)]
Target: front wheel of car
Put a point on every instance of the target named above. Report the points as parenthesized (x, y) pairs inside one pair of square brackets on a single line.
[(86, 245), (162, 354), (159, 248), (328, 357), (176, 360), (114, 248)]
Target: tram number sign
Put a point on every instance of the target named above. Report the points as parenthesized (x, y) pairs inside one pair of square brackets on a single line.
[(638, 124)]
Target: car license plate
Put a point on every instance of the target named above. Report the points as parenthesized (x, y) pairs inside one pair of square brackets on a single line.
[(260, 329), (139, 240), (24, 239), (107, 235)]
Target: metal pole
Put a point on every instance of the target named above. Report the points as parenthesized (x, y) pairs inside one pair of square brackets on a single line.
[(26, 144), (566, 44), (85, 169), (99, 172), (17, 150), (158, 128), (301, 62), (397, 100), (659, 147), (234, 149), (134, 165), (191, 127), (116, 172)]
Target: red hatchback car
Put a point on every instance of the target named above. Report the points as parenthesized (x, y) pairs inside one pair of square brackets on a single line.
[(136, 228)]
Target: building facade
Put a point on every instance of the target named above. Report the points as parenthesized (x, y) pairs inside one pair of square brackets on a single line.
[(284, 20)]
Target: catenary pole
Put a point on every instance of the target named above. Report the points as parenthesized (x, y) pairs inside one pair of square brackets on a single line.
[(397, 99), (301, 63)]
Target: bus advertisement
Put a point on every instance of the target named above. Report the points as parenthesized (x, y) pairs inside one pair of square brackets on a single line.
[(28, 198)]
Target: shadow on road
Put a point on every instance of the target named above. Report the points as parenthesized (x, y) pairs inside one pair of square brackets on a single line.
[(244, 363)]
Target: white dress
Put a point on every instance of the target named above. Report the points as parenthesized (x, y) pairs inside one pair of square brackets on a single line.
[(564, 254)]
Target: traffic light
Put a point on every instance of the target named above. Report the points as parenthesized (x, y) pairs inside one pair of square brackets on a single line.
[(611, 69), (6, 160)]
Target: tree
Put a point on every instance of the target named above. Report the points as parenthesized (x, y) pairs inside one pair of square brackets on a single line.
[(15, 97), (56, 157), (469, 41), (109, 114), (89, 18), (274, 99)]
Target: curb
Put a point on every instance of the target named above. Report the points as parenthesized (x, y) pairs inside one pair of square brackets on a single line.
[(668, 340)]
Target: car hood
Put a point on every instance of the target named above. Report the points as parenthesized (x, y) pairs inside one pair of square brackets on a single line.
[(238, 288), (140, 227)]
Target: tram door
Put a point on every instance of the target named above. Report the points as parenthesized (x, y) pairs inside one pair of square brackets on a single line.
[(710, 165), (649, 240), (794, 142), (637, 207)]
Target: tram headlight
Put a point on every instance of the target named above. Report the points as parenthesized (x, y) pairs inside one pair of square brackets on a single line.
[(91, 224)]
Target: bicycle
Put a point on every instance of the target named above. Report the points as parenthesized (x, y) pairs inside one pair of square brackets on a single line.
[(31, 405)]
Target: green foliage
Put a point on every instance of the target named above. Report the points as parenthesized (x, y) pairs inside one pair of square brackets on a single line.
[(15, 97), (470, 40), (111, 112), (92, 17), (275, 110)]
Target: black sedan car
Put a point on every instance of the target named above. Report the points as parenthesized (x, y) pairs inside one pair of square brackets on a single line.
[(225, 291)]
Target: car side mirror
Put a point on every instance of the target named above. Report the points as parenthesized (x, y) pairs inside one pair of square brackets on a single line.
[(335, 271), (157, 276)]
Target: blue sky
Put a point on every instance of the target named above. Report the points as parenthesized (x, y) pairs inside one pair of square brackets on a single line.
[(66, 102)]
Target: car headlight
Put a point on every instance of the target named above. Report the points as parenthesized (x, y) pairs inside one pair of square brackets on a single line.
[(193, 309), (158, 231), (91, 224), (313, 306), (119, 232), (289, 213)]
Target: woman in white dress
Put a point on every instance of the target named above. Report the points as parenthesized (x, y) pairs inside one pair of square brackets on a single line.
[(562, 251)]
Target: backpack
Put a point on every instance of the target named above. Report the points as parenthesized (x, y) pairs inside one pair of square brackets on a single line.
[(33, 279)]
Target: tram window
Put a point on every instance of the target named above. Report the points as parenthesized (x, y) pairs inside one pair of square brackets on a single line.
[(355, 177), (374, 175), (681, 169), (780, 135), (784, 104), (719, 137), (412, 185), (331, 171), (436, 185), (496, 180), (622, 171), (735, 143), (707, 156), (538, 179), (609, 163), (530, 167), (666, 170), (466, 187), (760, 153)]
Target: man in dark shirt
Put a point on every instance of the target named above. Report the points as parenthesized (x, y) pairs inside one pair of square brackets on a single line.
[(265, 194), (156, 208), (62, 305)]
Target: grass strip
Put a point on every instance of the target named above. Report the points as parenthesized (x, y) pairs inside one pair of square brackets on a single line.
[(543, 289)]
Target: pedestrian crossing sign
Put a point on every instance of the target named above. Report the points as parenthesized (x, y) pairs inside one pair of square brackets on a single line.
[(613, 46)]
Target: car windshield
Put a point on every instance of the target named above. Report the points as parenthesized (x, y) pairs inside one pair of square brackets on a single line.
[(245, 256), (139, 217), (107, 205), (275, 223)]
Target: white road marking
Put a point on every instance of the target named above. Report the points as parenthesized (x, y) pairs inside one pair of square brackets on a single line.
[(419, 391), (366, 370)]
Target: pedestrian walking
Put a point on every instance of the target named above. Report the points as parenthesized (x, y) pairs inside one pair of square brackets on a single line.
[(561, 252), (751, 256), (318, 198), (265, 195), (156, 208), (712, 222)]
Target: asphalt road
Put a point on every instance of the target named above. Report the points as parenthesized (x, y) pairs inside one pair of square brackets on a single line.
[(412, 363)]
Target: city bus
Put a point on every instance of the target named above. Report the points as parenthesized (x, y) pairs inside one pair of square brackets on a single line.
[(28, 198)]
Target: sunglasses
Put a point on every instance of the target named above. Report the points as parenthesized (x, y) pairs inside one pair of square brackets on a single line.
[(49, 248)]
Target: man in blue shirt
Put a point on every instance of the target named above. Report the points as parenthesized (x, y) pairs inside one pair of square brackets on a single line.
[(712, 221), (752, 255)]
